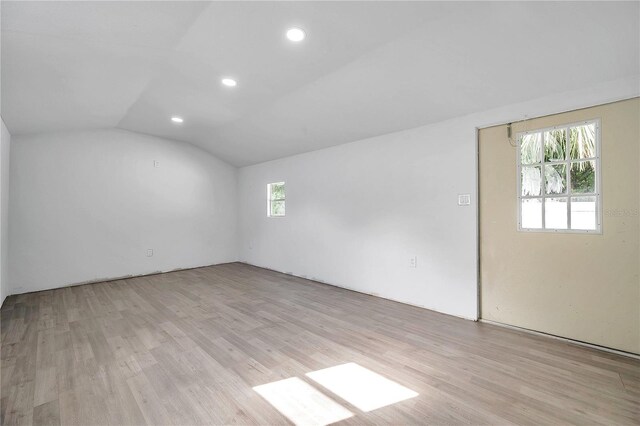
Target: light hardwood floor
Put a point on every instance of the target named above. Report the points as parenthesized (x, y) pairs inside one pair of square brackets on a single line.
[(188, 347)]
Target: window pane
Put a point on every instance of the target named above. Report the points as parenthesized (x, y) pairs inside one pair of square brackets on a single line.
[(531, 149), (555, 145), (531, 181), (277, 208), (555, 213), (583, 141), (583, 177), (583, 213), (555, 177), (277, 191), (531, 210)]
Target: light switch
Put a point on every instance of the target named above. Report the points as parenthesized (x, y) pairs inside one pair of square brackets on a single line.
[(464, 199)]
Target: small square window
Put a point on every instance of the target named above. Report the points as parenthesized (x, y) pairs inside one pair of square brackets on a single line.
[(276, 199), (558, 178)]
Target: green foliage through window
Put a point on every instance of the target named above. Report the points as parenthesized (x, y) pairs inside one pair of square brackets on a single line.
[(583, 177), (582, 145), (277, 191), (276, 194), (556, 165)]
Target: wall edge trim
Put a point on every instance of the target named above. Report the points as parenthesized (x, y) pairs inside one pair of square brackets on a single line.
[(359, 291), (565, 339)]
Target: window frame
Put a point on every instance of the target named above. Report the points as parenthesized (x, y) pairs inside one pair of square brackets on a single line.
[(271, 200), (567, 161)]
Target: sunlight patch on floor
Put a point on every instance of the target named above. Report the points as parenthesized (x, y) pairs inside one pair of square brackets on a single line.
[(302, 403), (361, 387)]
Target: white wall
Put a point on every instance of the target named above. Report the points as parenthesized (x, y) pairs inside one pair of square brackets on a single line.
[(5, 152), (86, 206), (357, 212)]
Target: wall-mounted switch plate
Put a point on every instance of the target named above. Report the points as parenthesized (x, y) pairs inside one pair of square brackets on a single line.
[(464, 199), (156, 163), (413, 262), (149, 252)]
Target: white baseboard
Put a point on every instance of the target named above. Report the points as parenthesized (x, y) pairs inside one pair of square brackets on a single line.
[(118, 278), (360, 291)]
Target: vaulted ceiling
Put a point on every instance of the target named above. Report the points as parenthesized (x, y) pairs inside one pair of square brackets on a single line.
[(365, 68)]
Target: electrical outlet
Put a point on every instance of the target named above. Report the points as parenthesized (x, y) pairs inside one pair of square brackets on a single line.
[(156, 163), (413, 262), (149, 252)]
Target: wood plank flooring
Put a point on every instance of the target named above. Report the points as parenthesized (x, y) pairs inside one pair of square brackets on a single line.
[(188, 347)]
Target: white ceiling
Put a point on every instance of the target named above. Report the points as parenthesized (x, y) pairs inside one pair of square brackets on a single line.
[(366, 68)]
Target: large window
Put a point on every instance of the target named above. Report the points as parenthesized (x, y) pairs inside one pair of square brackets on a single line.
[(275, 197), (559, 178)]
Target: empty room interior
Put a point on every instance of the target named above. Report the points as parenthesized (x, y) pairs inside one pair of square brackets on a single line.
[(318, 212)]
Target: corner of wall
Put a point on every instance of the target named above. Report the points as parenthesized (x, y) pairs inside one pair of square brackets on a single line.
[(5, 155)]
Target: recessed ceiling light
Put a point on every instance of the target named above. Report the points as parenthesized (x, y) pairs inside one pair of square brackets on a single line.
[(177, 119), (295, 34), (229, 82)]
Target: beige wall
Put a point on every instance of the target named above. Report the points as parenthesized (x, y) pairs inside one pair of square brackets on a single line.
[(581, 286)]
